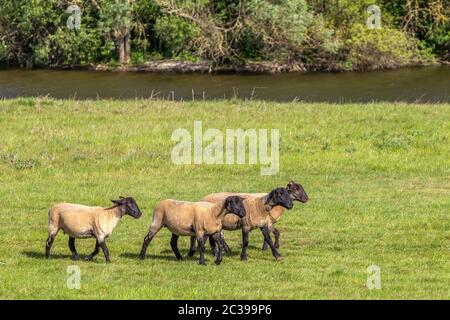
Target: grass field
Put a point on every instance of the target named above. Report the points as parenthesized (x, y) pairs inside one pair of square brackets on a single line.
[(378, 178)]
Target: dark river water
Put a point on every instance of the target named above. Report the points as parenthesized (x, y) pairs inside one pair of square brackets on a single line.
[(430, 84)]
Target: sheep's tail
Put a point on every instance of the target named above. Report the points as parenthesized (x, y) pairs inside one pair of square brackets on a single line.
[(50, 213), (155, 226), (53, 222), (50, 221), (157, 219)]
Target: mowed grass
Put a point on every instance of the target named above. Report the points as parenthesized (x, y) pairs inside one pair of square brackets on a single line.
[(378, 177)]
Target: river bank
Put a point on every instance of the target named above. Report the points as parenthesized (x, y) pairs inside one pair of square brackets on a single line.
[(252, 67)]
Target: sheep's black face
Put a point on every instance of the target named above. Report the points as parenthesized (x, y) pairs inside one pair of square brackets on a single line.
[(280, 197), (297, 192), (131, 207), (235, 204)]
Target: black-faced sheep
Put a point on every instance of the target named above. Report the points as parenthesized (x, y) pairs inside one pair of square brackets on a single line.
[(199, 219), (296, 191), (80, 221)]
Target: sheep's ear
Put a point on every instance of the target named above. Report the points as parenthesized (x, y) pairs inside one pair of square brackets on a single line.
[(120, 197), (227, 203), (118, 202), (269, 198)]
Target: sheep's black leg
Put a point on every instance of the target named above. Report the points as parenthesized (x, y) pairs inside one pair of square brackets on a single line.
[(94, 253), (212, 243), (105, 251), (174, 245), (276, 233), (147, 240), (218, 239), (276, 244), (226, 248), (266, 233), (48, 246), (245, 234), (192, 247), (73, 249), (201, 246), (265, 244)]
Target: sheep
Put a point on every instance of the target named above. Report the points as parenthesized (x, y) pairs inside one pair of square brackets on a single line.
[(201, 219), (258, 216), (80, 221), (296, 191)]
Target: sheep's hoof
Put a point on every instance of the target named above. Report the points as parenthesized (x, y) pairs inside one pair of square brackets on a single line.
[(141, 256), (243, 258), (191, 253), (279, 258), (88, 258), (75, 257), (217, 262)]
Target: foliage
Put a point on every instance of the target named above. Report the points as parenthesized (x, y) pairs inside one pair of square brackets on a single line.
[(384, 48), (176, 34), (36, 34), (315, 34), (427, 20)]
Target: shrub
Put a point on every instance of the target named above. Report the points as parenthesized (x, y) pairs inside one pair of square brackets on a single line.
[(382, 48), (316, 34), (177, 35)]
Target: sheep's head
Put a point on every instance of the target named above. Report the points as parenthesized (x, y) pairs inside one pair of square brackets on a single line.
[(297, 192), (235, 204), (130, 206), (280, 197)]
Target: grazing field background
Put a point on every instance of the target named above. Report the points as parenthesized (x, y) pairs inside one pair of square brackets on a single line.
[(378, 177)]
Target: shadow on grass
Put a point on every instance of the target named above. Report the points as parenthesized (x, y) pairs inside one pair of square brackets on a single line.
[(170, 256), (41, 255), (134, 256), (233, 253)]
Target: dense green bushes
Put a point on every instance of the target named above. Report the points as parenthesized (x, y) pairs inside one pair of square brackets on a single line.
[(384, 48), (315, 34), (35, 34)]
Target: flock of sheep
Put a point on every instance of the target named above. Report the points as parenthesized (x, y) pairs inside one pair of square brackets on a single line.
[(199, 220)]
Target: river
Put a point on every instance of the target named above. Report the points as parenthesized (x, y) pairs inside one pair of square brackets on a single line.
[(427, 84)]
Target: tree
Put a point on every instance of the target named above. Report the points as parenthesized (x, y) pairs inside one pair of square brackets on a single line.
[(123, 22)]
